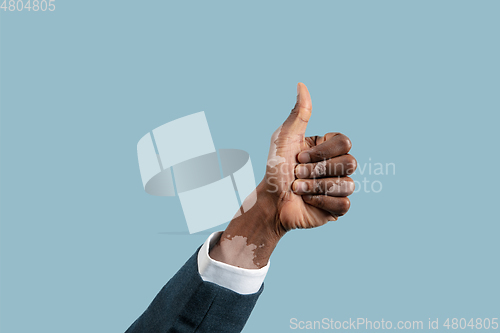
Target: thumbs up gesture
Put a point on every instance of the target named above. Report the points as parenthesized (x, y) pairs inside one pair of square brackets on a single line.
[(306, 177), (305, 186)]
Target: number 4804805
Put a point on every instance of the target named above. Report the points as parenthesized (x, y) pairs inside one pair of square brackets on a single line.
[(35, 5)]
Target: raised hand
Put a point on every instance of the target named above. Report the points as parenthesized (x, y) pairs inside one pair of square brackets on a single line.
[(305, 186), (307, 175)]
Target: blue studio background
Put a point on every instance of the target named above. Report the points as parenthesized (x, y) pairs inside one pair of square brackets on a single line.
[(414, 83)]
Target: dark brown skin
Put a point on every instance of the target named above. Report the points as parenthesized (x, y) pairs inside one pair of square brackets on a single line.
[(305, 186)]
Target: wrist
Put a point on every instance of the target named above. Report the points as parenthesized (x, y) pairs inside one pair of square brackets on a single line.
[(250, 238)]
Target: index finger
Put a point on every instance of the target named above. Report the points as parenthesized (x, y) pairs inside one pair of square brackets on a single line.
[(333, 145)]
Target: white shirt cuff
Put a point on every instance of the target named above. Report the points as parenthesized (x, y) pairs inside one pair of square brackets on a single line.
[(241, 280)]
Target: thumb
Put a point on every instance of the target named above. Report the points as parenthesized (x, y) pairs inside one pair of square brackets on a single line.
[(296, 122)]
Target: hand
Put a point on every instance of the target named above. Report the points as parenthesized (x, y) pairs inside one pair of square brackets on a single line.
[(300, 171), (305, 186)]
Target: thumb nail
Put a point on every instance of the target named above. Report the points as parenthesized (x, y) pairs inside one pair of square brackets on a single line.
[(298, 93)]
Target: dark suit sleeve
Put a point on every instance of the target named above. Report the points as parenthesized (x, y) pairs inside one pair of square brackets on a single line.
[(189, 304)]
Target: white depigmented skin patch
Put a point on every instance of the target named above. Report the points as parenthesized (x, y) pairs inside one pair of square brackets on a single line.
[(249, 201), (341, 187), (273, 159), (319, 170), (237, 250)]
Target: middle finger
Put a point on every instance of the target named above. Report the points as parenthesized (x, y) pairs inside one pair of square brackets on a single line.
[(338, 166)]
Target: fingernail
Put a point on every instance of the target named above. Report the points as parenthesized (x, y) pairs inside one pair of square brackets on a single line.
[(300, 186), (301, 171), (307, 197), (298, 93), (304, 158)]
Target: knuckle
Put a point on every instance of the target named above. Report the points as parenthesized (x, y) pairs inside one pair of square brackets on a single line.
[(330, 135), (306, 107), (352, 185), (326, 137), (344, 205), (301, 113), (302, 118), (351, 164), (344, 143)]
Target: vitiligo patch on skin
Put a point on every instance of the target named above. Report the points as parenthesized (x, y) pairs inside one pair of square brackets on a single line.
[(273, 159), (319, 170), (341, 187), (238, 251)]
